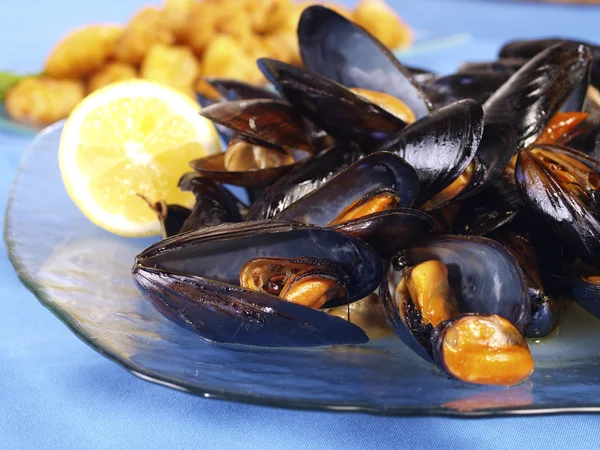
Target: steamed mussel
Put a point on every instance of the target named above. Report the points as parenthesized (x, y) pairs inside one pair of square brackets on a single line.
[(455, 211)]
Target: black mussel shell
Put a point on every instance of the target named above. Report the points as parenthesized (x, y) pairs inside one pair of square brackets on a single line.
[(498, 144), (502, 65), (218, 253), (546, 306), (304, 179), (335, 109), (440, 146), (490, 209), (232, 89), (334, 47), (557, 208), (271, 121), (214, 204), (172, 218), (479, 86), (390, 231), (528, 48), (485, 276), (222, 313), (530, 97), (378, 171)]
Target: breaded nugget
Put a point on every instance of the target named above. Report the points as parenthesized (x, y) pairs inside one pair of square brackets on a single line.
[(40, 101), (110, 73), (82, 51), (172, 65), (145, 29), (177, 13)]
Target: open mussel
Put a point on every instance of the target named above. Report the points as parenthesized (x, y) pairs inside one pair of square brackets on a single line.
[(429, 287), (336, 48), (304, 179), (538, 90), (347, 115), (371, 199), (226, 282), (560, 186)]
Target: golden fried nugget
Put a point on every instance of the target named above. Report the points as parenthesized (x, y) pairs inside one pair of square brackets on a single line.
[(208, 20), (225, 58), (284, 16), (383, 23), (171, 65), (111, 73), (40, 101), (284, 47), (145, 29), (177, 13), (82, 51)]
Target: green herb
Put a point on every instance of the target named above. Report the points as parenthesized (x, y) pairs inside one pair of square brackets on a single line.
[(8, 80)]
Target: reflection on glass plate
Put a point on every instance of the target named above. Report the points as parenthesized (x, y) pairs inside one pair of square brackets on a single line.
[(82, 274)]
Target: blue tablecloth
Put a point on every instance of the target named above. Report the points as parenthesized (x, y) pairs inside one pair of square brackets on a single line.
[(55, 392)]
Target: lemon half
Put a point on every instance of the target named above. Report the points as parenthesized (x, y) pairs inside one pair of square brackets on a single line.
[(128, 139)]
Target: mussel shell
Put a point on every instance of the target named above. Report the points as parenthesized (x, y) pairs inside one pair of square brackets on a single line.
[(528, 48), (546, 312), (304, 179), (498, 144), (502, 65), (214, 203), (222, 313), (390, 231), (176, 216), (394, 319), (479, 86), (232, 89), (270, 121), (335, 109), (334, 47), (530, 97), (218, 253), (484, 275), (439, 146), (558, 208), (490, 209), (378, 171), (586, 137)]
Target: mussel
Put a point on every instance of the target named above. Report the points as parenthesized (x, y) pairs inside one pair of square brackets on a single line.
[(225, 282), (428, 288)]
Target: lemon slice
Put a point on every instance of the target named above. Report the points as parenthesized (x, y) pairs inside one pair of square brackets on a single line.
[(128, 139)]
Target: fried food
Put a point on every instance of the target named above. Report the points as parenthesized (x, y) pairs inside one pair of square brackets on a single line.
[(40, 101), (381, 21), (145, 29), (225, 58), (172, 65), (176, 13), (111, 73), (82, 51)]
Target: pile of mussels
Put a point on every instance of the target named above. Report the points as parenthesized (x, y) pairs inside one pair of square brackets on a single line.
[(459, 211)]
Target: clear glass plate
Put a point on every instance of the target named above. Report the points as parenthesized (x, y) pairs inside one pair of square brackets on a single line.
[(82, 274)]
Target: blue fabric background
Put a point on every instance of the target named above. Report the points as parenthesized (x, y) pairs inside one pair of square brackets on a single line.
[(55, 392)]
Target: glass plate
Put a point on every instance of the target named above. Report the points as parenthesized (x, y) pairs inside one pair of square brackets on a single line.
[(82, 274)]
